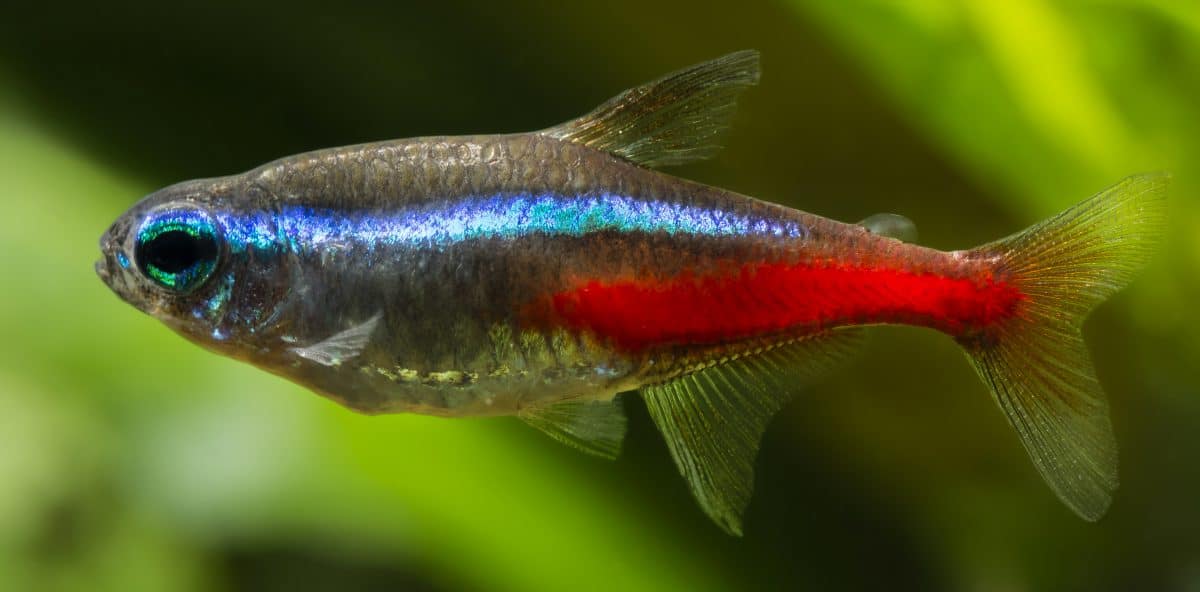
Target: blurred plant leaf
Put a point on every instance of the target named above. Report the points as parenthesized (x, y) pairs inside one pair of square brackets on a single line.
[(1047, 101)]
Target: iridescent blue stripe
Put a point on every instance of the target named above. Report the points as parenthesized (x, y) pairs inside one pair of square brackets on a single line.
[(506, 216)]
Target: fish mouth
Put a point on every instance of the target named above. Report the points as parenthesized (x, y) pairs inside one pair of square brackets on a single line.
[(102, 270), (108, 266), (117, 281), (113, 278), (109, 270), (104, 265)]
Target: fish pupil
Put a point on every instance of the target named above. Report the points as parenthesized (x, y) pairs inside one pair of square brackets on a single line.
[(177, 251), (179, 259)]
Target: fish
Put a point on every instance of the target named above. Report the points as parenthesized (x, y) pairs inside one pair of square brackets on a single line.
[(548, 275)]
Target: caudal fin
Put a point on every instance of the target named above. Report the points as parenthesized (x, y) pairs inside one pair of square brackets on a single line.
[(1036, 364)]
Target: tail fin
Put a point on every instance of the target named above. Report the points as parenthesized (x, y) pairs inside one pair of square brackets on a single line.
[(1037, 365)]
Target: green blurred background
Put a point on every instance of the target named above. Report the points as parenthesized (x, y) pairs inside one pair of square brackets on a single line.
[(131, 460)]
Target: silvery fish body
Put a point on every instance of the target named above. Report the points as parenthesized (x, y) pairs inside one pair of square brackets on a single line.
[(437, 254), (541, 274)]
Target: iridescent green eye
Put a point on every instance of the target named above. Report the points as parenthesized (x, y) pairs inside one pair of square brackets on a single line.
[(177, 249)]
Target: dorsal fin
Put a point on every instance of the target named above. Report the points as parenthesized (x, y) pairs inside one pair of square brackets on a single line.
[(673, 120)]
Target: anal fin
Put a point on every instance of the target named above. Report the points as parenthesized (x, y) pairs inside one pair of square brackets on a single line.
[(595, 427), (714, 418)]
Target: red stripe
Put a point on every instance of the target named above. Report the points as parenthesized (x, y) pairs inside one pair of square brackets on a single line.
[(768, 298)]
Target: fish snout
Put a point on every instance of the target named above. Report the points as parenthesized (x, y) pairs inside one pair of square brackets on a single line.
[(111, 272), (108, 248), (113, 265), (102, 269)]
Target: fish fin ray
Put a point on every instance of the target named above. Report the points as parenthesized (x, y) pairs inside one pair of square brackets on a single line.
[(592, 426), (1037, 365), (713, 419), (676, 119), (341, 346)]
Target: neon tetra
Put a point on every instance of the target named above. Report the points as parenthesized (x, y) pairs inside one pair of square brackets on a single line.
[(541, 274)]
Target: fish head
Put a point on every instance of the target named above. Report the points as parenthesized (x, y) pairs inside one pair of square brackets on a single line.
[(161, 252), (171, 256)]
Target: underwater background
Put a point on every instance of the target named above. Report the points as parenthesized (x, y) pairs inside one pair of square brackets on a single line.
[(132, 460)]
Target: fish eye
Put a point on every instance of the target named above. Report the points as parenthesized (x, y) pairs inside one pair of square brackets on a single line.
[(177, 249)]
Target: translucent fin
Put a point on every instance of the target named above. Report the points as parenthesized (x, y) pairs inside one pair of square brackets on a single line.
[(891, 225), (676, 119), (595, 427), (713, 419), (341, 346), (1037, 365)]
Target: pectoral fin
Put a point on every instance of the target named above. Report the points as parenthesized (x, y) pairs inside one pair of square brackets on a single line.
[(595, 427), (676, 119), (342, 346), (713, 419)]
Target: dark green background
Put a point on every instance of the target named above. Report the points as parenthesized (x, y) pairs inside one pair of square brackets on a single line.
[(130, 460)]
